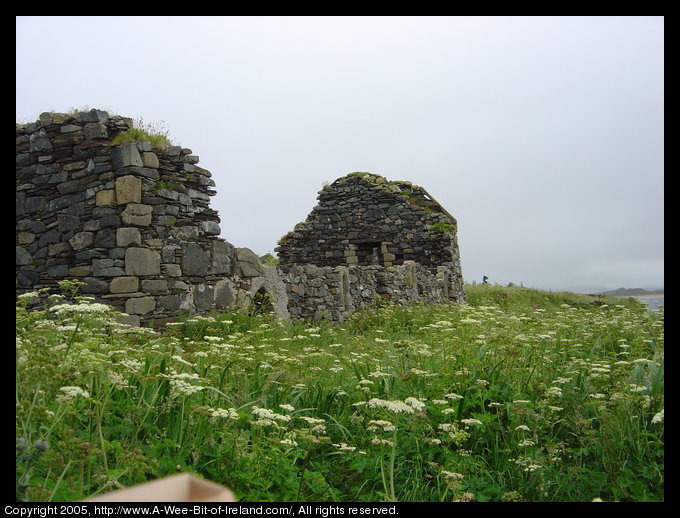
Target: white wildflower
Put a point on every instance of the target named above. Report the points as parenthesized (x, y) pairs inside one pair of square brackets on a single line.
[(226, 413), (386, 426), (132, 366), (62, 309), (523, 427), (265, 413), (72, 392), (416, 404), (658, 418), (449, 475), (392, 406), (180, 387), (554, 391), (471, 421)]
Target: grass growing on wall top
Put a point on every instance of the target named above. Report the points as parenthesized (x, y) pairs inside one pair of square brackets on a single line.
[(517, 395), (154, 132)]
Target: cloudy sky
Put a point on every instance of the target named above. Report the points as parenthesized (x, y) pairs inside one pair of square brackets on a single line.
[(543, 136)]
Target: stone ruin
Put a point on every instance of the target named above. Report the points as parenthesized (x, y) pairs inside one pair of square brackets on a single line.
[(371, 238), (134, 223)]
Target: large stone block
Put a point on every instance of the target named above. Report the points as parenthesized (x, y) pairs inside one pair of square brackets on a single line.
[(105, 238), (128, 236), (125, 155), (137, 214), (224, 294), (203, 297), (128, 189), (39, 141), (81, 240), (195, 260), (150, 160), (142, 261), (154, 286), (247, 263), (222, 252), (124, 285), (140, 305)]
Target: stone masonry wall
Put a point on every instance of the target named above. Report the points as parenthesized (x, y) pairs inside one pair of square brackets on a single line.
[(337, 292), (369, 237), (364, 219), (134, 223)]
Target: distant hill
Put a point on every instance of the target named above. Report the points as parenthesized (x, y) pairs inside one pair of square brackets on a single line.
[(631, 292)]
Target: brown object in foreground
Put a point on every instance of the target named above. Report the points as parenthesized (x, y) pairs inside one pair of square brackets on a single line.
[(183, 487)]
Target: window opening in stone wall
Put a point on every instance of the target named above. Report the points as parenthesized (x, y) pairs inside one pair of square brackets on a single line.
[(368, 253)]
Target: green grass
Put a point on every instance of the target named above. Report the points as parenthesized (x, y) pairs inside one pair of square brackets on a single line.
[(518, 395), (139, 135), (154, 132)]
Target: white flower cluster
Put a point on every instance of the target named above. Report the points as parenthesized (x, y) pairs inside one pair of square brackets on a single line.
[(74, 392), (61, 309), (392, 406), (226, 413), (268, 417), (449, 475), (386, 426)]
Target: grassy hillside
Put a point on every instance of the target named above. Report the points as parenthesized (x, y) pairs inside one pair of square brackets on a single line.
[(518, 395)]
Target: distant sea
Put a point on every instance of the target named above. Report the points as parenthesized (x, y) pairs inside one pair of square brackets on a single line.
[(653, 301)]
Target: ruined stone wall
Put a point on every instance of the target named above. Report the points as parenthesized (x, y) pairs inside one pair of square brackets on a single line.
[(337, 292), (363, 219), (388, 240), (132, 222)]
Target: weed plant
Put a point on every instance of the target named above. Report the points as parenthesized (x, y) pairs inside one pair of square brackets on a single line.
[(518, 395), (153, 132)]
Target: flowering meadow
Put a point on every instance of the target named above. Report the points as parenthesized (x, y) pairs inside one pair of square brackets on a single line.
[(518, 395)]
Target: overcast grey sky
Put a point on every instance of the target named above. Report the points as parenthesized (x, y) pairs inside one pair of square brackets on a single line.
[(543, 136)]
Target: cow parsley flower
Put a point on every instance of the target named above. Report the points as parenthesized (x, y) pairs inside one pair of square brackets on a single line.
[(226, 413), (449, 475), (73, 392), (392, 406), (658, 418), (471, 421), (386, 426), (416, 404)]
